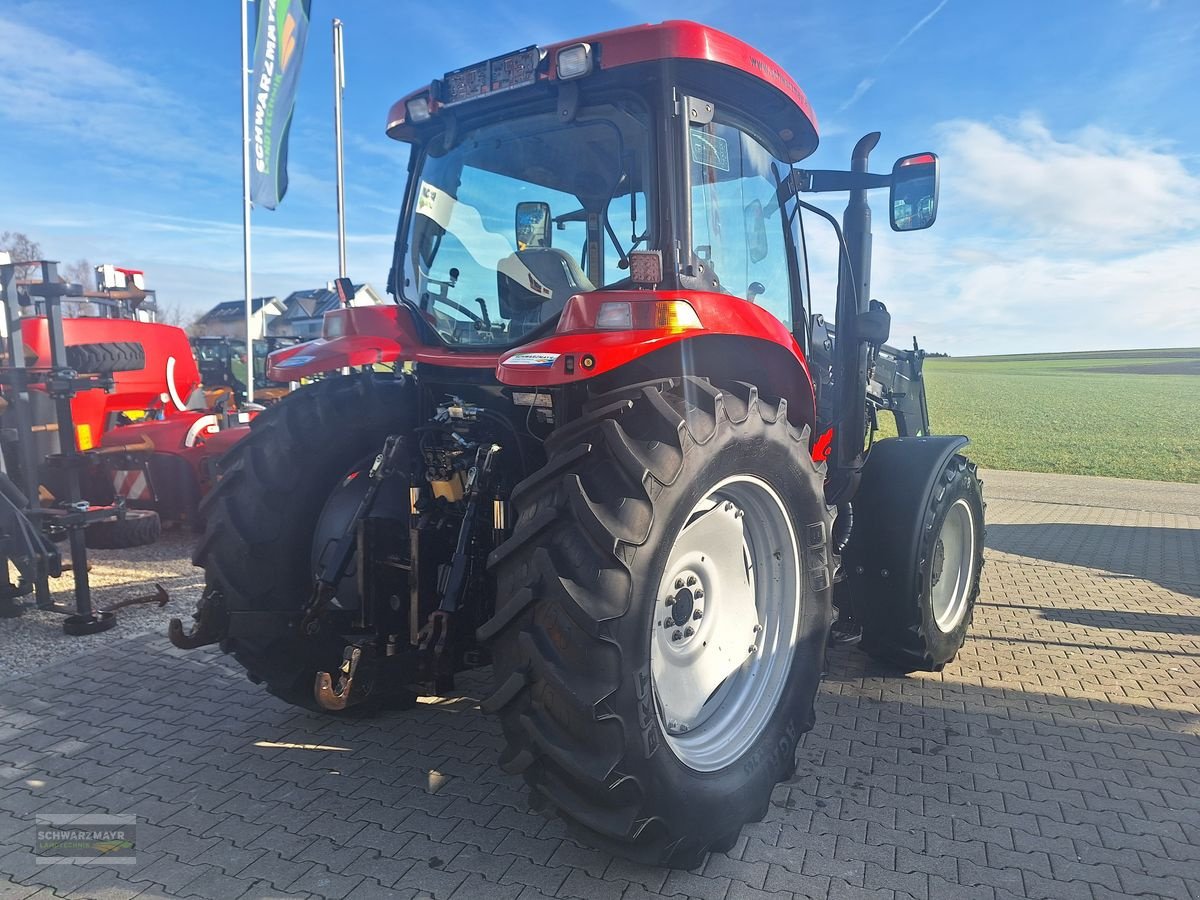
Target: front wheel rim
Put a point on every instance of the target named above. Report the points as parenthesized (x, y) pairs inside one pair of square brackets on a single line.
[(725, 623), (952, 567)]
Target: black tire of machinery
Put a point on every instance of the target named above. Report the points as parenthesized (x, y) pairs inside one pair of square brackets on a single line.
[(573, 697), (260, 516), (139, 528), (900, 630), (106, 358)]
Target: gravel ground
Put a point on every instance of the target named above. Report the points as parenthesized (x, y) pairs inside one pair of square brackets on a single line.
[(36, 639)]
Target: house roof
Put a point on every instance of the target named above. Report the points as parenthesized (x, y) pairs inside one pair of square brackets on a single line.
[(309, 304), (312, 304), (234, 309)]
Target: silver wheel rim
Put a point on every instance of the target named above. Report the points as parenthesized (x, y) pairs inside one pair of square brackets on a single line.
[(725, 623), (952, 567)]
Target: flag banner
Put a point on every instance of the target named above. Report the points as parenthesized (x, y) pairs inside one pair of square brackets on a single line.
[(278, 52)]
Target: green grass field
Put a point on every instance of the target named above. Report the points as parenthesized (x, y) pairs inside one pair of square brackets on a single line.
[(1128, 414)]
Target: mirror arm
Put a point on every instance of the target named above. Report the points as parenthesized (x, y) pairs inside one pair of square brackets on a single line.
[(821, 181)]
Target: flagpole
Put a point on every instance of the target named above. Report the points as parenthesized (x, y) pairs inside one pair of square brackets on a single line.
[(339, 85), (246, 201)]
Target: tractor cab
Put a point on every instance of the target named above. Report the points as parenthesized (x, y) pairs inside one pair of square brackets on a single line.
[(648, 158)]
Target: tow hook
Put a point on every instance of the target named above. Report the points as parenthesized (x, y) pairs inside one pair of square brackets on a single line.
[(210, 623), (349, 690)]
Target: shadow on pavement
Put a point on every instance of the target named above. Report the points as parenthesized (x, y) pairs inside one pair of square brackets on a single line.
[(1163, 623), (1166, 556)]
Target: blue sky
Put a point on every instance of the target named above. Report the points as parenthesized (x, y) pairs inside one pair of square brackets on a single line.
[(1070, 203)]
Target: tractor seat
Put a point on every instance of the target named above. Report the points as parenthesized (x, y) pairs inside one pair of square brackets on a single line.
[(534, 285)]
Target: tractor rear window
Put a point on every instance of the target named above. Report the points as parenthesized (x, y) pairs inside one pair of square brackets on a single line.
[(520, 215)]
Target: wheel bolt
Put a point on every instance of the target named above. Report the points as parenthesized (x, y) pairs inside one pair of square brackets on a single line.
[(678, 583), (757, 629), (698, 594), (698, 615), (728, 506), (753, 648), (691, 580), (677, 635), (689, 631), (670, 601), (739, 513)]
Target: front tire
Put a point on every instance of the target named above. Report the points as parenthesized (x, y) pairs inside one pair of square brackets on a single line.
[(663, 492), (922, 624)]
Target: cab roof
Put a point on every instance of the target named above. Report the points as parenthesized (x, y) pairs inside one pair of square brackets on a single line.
[(722, 64)]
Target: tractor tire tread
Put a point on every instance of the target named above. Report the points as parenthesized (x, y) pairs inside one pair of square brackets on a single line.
[(564, 578), (139, 528), (106, 358)]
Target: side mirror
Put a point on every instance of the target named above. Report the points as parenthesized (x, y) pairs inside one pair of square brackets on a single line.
[(533, 225), (345, 290), (914, 197)]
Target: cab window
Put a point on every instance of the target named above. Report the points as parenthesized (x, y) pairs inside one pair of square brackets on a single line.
[(737, 230)]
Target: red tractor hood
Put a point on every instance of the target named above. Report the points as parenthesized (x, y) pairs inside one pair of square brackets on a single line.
[(359, 336)]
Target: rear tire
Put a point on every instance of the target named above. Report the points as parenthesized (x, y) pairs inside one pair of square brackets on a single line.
[(581, 628), (261, 516), (139, 528), (923, 625), (106, 358)]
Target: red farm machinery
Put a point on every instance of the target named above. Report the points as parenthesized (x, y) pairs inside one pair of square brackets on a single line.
[(103, 426), (603, 443)]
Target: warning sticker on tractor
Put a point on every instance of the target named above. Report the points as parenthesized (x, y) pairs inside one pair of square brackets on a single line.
[(434, 203), (536, 360), (710, 150)]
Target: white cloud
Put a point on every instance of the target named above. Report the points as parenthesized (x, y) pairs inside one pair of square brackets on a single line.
[(52, 87), (1018, 298), (1043, 243), (1099, 189)]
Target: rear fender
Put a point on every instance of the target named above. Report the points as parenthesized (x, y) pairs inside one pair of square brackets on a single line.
[(736, 340), (357, 336), (777, 372)]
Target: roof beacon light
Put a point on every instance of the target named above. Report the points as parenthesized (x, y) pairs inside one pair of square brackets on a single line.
[(418, 109), (574, 61)]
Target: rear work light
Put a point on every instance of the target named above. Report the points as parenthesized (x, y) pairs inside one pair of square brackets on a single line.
[(627, 315), (574, 61), (615, 314), (418, 109), (646, 267)]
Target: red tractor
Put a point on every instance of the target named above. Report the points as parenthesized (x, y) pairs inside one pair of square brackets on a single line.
[(617, 456)]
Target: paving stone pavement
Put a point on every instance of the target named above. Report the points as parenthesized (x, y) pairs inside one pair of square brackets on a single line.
[(1057, 757)]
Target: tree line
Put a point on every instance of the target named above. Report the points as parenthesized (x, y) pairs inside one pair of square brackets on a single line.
[(22, 248)]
